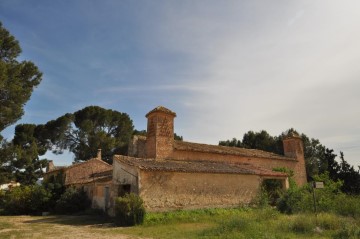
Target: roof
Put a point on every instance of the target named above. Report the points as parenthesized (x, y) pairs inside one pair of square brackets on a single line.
[(161, 109), (196, 166), (74, 165), (95, 177), (206, 148), (92, 170)]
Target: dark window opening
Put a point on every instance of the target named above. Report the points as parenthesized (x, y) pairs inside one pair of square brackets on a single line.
[(273, 189), (124, 189)]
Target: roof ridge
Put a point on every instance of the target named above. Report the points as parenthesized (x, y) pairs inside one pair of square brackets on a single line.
[(229, 149)]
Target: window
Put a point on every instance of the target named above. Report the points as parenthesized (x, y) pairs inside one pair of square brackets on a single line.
[(124, 189)]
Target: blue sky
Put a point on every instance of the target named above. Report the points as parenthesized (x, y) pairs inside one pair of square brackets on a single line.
[(225, 67)]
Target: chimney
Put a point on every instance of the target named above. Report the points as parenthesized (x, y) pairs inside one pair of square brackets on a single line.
[(99, 154), (50, 166)]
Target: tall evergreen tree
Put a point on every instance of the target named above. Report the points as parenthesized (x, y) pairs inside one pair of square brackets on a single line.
[(90, 129), (17, 79)]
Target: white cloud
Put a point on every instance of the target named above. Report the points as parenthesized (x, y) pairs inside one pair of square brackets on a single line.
[(225, 67), (294, 66)]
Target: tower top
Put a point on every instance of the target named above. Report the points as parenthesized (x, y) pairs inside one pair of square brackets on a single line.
[(161, 109)]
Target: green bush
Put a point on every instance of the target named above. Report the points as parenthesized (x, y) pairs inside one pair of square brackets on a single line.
[(348, 232), (328, 199), (32, 200), (71, 201), (347, 205), (129, 210)]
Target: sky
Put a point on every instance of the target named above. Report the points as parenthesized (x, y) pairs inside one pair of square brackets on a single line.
[(225, 67)]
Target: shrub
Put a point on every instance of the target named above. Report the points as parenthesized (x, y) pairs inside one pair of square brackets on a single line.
[(26, 200), (71, 201), (129, 210), (347, 205), (302, 224), (348, 232), (328, 199)]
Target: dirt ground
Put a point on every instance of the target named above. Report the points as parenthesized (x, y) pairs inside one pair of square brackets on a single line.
[(59, 227)]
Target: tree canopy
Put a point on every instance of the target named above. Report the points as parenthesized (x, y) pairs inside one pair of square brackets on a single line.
[(90, 129), (17, 79)]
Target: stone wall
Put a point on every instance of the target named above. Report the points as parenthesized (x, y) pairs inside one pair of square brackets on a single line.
[(267, 163), (124, 175), (163, 191)]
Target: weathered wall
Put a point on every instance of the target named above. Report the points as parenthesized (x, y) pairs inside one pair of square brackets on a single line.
[(98, 195), (294, 147), (160, 134), (124, 174), (162, 191)]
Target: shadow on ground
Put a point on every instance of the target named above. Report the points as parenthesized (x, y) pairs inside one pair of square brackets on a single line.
[(90, 221)]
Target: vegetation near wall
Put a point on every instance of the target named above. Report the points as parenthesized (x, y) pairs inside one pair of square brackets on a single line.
[(129, 210), (35, 199), (318, 158), (25, 200), (329, 199), (72, 201)]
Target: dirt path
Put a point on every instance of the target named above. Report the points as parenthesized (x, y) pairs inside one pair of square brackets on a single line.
[(59, 227)]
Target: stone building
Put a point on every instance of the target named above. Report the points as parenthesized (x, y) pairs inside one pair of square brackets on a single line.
[(170, 174), (93, 176)]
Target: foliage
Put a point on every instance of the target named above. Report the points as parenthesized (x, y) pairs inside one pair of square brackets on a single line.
[(26, 200), (240, 223), (257, 140), (17, 79), (348, 232), (129, 210), (203, 223), (328, 199), (71, 201), (90, 129), (271, 190), (318, 158), (20, 158), (55, 185), (290, 173), (26, 149), (6, 153), (349, 176)]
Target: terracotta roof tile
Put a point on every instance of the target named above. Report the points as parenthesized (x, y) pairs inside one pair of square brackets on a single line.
[(161, 109), (206, 148), (95, 177), (196, 166)]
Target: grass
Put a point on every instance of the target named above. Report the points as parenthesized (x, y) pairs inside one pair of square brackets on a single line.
[(246, 223)]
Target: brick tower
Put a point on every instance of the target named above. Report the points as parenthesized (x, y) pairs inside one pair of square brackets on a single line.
[(293, 148), (160, 133)]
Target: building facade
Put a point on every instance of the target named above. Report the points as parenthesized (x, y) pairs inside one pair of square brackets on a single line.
[(170, 174)]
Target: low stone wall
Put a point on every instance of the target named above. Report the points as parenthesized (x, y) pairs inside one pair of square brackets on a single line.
[(164, 191)]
